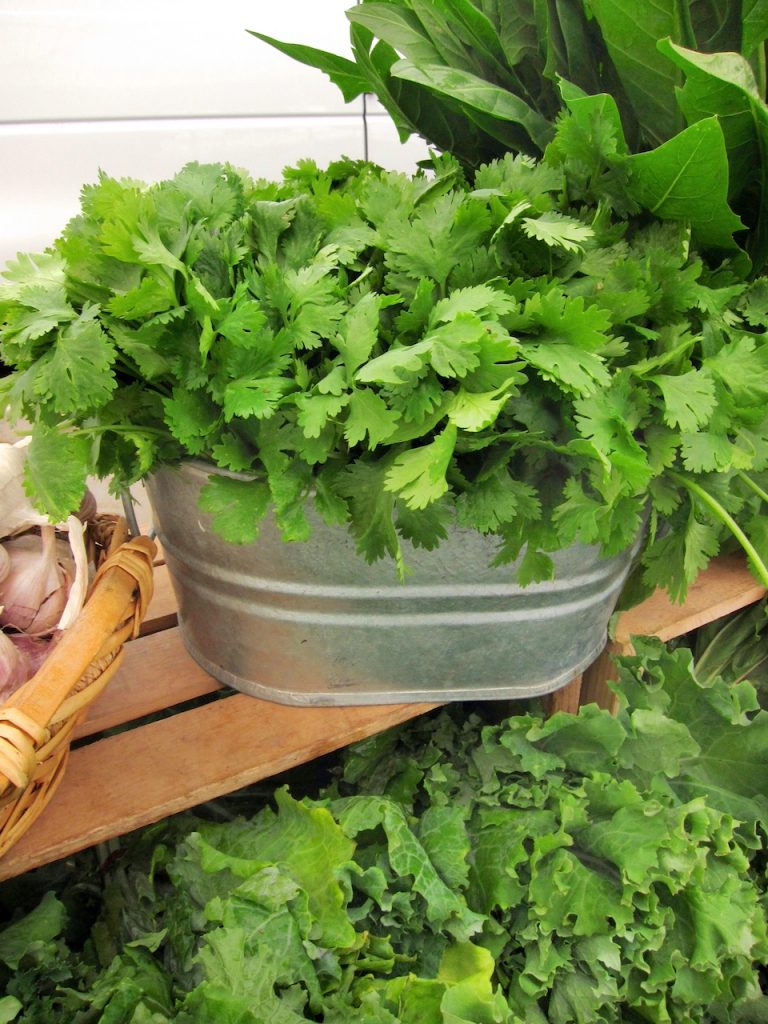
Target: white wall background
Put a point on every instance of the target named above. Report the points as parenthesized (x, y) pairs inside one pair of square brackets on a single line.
[(137, 89)]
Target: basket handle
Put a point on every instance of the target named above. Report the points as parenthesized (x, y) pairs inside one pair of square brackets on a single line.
[(120, 592)]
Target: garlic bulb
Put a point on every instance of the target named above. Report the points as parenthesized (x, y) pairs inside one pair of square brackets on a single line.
[(15, 668), (17, 513), (79, 586), (35, 649), (34, 592)]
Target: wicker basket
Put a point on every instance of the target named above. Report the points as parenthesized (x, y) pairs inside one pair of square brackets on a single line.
[(37, 721)]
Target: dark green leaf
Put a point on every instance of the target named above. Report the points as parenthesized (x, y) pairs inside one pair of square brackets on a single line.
[(686, 179), (342, 72)]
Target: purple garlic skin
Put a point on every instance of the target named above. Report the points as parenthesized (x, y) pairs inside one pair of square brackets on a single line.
[(34, 591), (15, 667)]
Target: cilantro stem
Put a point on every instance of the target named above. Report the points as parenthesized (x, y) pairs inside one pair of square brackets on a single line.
[(115, 428), (727, 519), (763, 495)]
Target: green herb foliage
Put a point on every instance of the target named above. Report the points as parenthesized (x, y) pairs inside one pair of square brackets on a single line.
[(481, 78), (568, 870), (511, 353)]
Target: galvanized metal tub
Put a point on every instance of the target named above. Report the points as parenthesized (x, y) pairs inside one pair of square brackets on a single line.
[(311, 623)]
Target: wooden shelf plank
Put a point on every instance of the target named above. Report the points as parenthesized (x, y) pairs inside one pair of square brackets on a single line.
[(120, 783), (156, 673), (725, 586)]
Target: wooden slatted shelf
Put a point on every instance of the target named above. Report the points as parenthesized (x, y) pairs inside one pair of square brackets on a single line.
[(150, 769), (725, 586)]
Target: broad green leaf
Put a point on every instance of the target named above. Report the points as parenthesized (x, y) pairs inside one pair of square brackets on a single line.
[(444, 907), (726, 769), (724, 85), (468, 972), (648, 78), (572, 899), (754, 20), (342, 72), (686, 179), (480, 95), (406, 108), (399, 27), (450, 38), (10, 1008)]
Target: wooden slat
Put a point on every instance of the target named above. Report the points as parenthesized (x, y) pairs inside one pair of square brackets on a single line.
[(120, 783), (567, 698), (725, 586), (156, 673)]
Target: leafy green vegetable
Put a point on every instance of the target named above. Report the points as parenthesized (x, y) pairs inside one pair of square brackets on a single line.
[(686, 84), (507, 352), (577, 868)]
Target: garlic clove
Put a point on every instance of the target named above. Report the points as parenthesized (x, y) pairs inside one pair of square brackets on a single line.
[(15, 667), (79, 586), (35, 649), (34, 592), (17, 513)]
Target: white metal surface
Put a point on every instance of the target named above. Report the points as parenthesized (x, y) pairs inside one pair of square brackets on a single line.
[(139, 89)]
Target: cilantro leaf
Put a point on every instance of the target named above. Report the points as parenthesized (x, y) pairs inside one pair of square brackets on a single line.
[(192, 418), (371, 510), (689, 398), (558, 231), (259, 397), (57, 466), (236, 507), (574, 370), (77, 376), (369, 416), (316, 410), (418, 476)]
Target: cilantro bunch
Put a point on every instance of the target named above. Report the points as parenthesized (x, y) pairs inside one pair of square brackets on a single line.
[(509, 352), (581, 868)]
